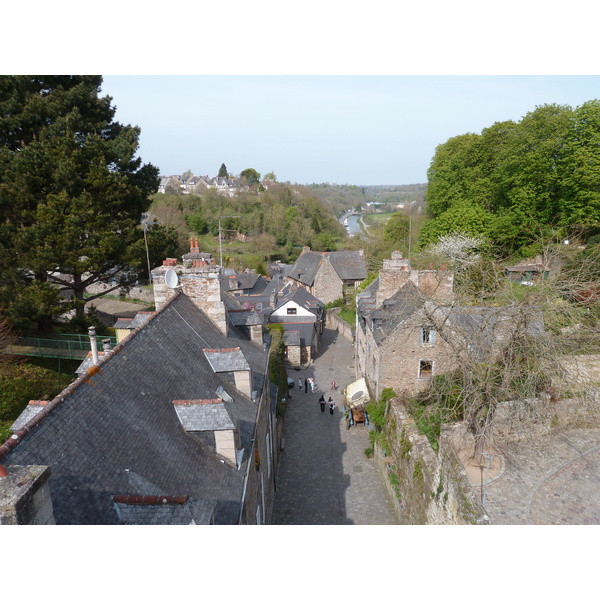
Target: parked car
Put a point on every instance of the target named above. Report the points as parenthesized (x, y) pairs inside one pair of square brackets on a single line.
[(290, 382)]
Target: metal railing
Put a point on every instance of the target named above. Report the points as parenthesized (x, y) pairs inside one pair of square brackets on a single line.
[(65, 345)]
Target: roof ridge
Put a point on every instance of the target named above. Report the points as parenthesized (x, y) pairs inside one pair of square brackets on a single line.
[(17, 436)]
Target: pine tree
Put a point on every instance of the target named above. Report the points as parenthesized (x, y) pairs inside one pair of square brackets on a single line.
[(72, 191)]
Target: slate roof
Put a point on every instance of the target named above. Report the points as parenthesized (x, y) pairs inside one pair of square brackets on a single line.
[(397, 309), (245, 317), (224, 360), (164, 510), (203, 415), (348, 264), (31, 410), (306, 332), (301, 297), (249, 283), (118, 419)]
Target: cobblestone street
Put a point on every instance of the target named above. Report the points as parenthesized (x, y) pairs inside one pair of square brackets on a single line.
[(324, 477)]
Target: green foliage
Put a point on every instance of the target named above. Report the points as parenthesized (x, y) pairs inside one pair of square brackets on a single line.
[(405, 445), (222, 171), (517, 182), (71, 183), (20, 383), (251, 176), (418, 471), (278, 374), (397, 230), (197, 223), (335, 303)]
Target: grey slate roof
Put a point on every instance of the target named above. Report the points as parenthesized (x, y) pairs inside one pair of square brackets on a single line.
[(305, 331), (301, 297), (120, 419), (225, 360), (31, 410), (207, 416), (245, 317), (402, 305), (193, 511), (349, 265)]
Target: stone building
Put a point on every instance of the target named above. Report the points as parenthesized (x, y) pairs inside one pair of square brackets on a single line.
[(329, 275), (176, 424), (409, 328)]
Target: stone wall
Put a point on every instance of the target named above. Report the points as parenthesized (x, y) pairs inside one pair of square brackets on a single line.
[(201, 284), (25, 496), (333, 321), (135, 293), (433, 488), (327, 285)]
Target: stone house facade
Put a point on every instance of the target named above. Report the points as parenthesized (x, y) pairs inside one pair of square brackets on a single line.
[(329, 275), (396, 341)]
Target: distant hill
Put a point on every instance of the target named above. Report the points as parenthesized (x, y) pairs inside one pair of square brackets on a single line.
[(341, 198)]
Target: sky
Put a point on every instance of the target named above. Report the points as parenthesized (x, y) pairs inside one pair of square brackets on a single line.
[(361, 130)]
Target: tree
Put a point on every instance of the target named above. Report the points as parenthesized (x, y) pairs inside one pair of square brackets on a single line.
[(397, 229), (73, 191), (223, 171), (251, 176)]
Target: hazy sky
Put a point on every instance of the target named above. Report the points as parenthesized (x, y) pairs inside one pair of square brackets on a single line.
[(363, 130)]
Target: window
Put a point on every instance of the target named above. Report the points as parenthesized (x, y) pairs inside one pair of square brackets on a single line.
[(427, 334), (425, 369), (291, 311)]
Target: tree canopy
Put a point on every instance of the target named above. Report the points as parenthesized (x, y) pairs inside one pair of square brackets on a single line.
[(251, 176), (72, 189), (516, 182)]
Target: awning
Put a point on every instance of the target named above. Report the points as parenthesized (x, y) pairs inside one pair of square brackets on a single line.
[(357, 393)]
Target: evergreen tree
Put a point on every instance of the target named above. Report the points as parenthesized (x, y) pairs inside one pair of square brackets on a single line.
[(223, 171), (72, 191)]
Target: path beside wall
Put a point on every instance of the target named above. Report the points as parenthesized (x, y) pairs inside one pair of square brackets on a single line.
[(333, 321)]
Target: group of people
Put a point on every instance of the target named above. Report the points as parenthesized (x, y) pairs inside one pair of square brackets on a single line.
[(330, 402), (310, 382)]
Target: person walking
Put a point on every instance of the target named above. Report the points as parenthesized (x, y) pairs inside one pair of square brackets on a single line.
[(333, 387), (331, 406), (322, 404), (306, 386), (312, 384), (300, 384)]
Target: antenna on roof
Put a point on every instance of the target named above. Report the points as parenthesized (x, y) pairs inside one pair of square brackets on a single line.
[(171, 279)]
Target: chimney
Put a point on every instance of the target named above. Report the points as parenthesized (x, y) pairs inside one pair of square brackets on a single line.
[(92, 332), (256, 334), (106, 345), (243, 381)]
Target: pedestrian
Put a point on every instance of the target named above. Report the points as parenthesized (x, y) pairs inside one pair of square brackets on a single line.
[(300, 383), (306, 386), (312, 384), (331, 405), (333, 385), (322, 404)]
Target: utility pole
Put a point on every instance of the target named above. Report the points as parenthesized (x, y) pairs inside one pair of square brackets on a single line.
[(220, 230)]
